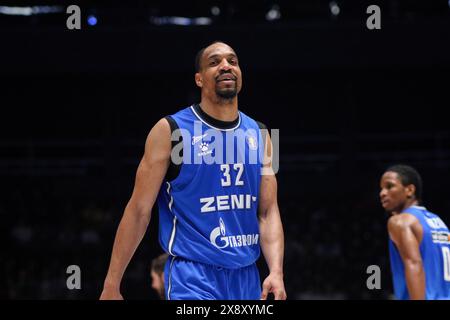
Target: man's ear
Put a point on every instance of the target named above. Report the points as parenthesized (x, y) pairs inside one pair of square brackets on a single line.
[(410, 190), (198, 80)]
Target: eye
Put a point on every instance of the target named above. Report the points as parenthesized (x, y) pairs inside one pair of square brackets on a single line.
[(233, 61), (213, 63)]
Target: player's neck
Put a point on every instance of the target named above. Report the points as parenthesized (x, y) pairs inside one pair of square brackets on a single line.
[(224, 110), (408, 203)]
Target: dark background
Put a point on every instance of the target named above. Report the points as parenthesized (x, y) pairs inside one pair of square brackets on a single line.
[(76, 107)]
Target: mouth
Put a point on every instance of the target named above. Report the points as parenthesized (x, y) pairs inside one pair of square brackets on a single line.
[(226, 78), (384, 202)]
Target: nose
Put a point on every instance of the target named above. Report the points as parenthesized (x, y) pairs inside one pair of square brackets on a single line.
[(383, 193), (224, 65)]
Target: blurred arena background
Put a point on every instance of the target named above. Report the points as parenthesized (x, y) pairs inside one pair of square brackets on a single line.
[(76, 107)]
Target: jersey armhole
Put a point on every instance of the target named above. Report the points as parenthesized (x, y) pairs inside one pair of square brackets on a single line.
[(261, 125), (264, 132), (263, 129), (174, 169)]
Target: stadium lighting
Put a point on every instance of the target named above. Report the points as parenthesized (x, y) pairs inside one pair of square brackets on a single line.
[(92, 20), (273, 14), (334, 8), (215, 11)]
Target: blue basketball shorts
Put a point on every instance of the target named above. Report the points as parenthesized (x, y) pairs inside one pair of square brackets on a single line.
[(190, 280)]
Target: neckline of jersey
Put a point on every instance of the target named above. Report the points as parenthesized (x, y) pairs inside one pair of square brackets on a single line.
[(418, 207), (213, 122)]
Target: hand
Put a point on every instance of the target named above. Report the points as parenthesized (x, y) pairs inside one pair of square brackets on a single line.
[(111, 294), (274, 284)]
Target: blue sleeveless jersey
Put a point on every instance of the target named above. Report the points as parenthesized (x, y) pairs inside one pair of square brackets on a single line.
[(435, 252), (208, 213)]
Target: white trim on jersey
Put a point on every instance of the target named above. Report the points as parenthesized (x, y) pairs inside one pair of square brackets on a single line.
[(170, 203), (170, 278), (211, 126), (174, 227), (172, 236), (419, 207)]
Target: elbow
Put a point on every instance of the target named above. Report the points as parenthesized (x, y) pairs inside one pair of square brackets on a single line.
[(140, 213), (413, 266), (267, 211), (143, 215), (262, 216)]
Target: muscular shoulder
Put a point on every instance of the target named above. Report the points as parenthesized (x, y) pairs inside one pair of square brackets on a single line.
[(402, 220), (400, 223), (158, 140), (161, 128)]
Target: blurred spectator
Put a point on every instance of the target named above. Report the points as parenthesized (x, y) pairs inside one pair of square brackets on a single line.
[(157, 274)]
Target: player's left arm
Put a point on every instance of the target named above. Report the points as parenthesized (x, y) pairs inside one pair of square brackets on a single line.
[(271, 231), (401, 230)]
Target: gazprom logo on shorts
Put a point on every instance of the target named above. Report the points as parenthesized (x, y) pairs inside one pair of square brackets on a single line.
[(220, 240)]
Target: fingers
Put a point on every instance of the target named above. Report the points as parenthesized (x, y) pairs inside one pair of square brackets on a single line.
[(280, 294), (265, 290)]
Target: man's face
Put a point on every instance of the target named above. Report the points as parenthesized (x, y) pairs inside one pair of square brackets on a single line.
[(219, 75), (158, 284), (394, 194)]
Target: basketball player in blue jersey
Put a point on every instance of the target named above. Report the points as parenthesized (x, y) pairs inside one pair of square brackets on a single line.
[(215, 216), (419, 240)]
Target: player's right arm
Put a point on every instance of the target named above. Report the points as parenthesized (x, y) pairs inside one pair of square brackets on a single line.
[(137, 214), (405, 231)]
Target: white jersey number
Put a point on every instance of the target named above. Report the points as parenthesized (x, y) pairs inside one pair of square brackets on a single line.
[(226, 180), (446, 256)]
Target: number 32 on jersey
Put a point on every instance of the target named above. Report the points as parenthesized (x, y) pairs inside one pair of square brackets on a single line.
[(226, 179)]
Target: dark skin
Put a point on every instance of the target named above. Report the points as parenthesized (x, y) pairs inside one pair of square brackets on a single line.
[(219, 76), (404, 230), (220, 80)]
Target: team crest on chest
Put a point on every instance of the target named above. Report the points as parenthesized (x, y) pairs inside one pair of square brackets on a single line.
[(252, 142), (204, 148)]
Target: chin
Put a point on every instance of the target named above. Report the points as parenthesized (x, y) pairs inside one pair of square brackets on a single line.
[(391, 210), (226, 94), (230, 91), (388, 209)]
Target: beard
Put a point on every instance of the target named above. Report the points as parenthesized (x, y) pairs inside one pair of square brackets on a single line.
[(227, 93)]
